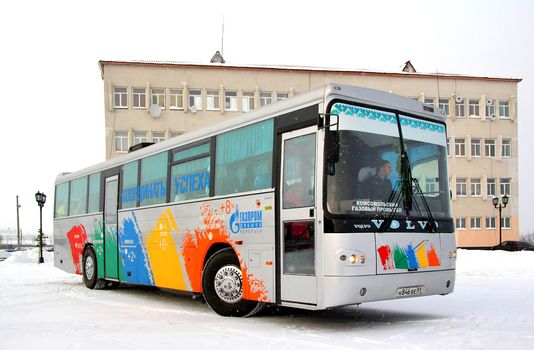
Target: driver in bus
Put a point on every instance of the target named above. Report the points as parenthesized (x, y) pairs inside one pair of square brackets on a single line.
[(378, 187)]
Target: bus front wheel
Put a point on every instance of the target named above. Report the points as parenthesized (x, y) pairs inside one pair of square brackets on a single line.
[(222, 286)]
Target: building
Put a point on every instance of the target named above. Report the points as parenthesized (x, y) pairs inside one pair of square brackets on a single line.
[(153, 101)]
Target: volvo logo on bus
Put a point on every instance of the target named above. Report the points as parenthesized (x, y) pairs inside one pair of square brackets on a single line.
[(408, 224), (248, 221)]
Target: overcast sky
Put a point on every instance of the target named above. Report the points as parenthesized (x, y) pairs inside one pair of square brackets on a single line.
[(51, 92)]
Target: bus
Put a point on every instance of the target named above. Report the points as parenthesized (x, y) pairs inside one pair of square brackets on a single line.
[(333, 197)]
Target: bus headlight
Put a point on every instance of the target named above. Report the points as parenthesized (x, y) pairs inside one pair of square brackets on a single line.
[(351, 257)]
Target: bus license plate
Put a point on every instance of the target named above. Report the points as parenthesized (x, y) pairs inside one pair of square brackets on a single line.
[(409, 291)]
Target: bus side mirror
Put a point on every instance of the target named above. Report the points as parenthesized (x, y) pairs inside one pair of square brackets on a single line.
[(332, 151)]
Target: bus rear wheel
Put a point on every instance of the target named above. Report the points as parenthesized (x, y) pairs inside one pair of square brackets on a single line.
[(90, 270), (222, 286)]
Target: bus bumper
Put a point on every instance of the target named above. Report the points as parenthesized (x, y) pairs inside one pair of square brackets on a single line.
[(339, 291)]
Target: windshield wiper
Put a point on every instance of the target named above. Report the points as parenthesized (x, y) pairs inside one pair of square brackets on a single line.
[(408, 184)]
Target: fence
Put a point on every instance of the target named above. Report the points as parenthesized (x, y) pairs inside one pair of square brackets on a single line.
[(8, 237)]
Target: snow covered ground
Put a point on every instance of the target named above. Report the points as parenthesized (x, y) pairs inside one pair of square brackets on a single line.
[(43, 307)]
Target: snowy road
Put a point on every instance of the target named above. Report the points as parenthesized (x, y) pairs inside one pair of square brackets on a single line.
[(491, 308)]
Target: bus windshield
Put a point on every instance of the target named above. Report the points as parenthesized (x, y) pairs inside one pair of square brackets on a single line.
[(364, 179)]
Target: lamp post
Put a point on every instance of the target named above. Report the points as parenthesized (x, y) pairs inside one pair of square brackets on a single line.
[(41, 199), (497, 205)]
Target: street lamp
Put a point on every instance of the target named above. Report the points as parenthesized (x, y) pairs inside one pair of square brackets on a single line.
[(41, 199), (497, 205)]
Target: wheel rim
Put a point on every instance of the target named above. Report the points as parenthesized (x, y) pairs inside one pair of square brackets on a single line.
[(89, 267), (228, 283)]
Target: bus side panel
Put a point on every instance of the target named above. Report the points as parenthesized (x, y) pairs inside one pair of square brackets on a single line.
[(166, 246), (71, 235)]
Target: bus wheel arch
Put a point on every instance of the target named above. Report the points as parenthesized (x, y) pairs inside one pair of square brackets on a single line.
[(222, 285)]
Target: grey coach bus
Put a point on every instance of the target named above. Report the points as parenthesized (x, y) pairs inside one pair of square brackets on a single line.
[(334, 197)]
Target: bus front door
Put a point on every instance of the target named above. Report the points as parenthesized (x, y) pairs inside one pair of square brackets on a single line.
[(297, 217), (110, 227)]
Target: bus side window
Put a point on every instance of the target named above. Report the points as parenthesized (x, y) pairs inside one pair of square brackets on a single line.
[(244, 159), (62, 200)]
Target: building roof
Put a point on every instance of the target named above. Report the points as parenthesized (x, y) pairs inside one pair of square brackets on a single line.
[(303, 69)]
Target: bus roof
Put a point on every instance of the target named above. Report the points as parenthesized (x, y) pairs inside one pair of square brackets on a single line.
[(324, 93)]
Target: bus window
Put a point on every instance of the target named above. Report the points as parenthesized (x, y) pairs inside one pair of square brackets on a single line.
[(153, 187), (129, 185), (94, 193), (62, 200), (78, 196), (190, 180), (244, 159)]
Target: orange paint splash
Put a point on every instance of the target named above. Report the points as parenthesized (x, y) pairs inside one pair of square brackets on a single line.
[(196, 245), (433, 259)]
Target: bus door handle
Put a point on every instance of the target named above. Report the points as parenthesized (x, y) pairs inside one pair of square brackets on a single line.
[(311, 213)]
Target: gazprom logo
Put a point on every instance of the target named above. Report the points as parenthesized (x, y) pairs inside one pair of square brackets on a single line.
[(247, 220)]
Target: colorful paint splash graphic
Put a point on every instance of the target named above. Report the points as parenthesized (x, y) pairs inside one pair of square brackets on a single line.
[(77, 239), (408, 258)]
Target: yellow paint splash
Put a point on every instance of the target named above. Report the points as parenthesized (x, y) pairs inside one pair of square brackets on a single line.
[(421, 256), (164, 257)]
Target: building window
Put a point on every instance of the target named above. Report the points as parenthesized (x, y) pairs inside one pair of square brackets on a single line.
[(265, 98), (121, 141), (475, 222), (460, 223), (175, 134), (490, 108), (158, 97), (212, 100), (505, 222), (461, 186), (504, 109), (490, 222), (176, 96), (476, 189), (460, 108), (230, 101), (489, 147), (491, 186), (431, 186), (475, 147), (281, 96), (195, 99), (444, 105), (448, 147), (506, 148), (459, 147), (139, 98), (248, 101), (505, 186), (474, 108), (120, 97), (429, 101), (139, 136), (158, 137)]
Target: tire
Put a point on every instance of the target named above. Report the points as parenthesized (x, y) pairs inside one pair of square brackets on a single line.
[(222, 286), (90, 270)]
